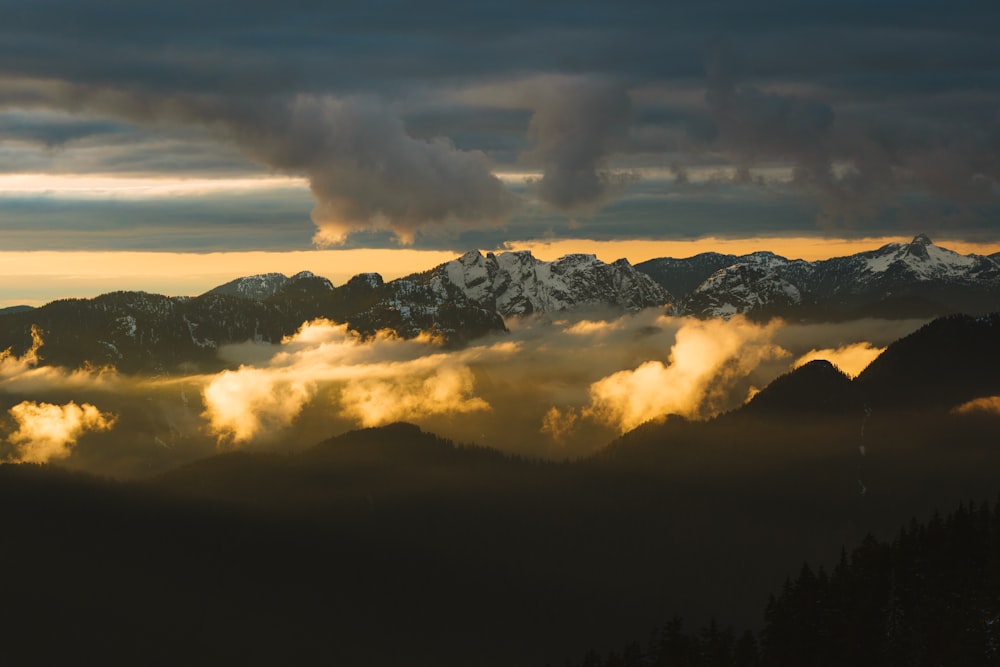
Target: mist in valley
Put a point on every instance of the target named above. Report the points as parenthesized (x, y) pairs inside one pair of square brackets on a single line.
[(550, 388)]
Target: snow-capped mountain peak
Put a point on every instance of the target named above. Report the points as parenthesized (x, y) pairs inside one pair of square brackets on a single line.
[(517, 283), (918, 277), (922, 260), (256, 288)]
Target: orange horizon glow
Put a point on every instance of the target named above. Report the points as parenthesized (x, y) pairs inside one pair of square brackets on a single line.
[(50, 274), (792, 247)]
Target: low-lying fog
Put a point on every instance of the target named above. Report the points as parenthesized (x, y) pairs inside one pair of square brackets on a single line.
[(550, 388)]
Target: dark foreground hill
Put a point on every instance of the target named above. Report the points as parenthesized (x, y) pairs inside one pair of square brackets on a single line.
[(391, 546), (931, 596)]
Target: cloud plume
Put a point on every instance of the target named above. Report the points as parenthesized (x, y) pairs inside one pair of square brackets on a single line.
[(851, 359), (983, 405), (574, 127), (47, 432), (365, 171), (705, 358), (370, 382)]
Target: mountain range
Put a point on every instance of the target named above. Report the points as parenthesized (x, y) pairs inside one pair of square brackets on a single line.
[(474, 294), (390, 545), (915, 279)]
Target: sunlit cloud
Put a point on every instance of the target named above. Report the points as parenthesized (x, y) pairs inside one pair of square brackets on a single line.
[(240, 404), (12, 365), (447, 390), (986, 404), (597, 328), (851, 359), (546, 389), (375, 381), (24, 373), (707, 355), (560, 424), (47, 432)]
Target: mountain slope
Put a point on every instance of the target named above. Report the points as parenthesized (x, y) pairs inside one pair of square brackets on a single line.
[(682, 276), (457, 302), (816, 387), (471, 295), (516, 283), (756, 286), (916, 279), (141, 332), (256, 288), (943, 364)]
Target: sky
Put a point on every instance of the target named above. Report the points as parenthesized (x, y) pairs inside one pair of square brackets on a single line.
[(211, 132)]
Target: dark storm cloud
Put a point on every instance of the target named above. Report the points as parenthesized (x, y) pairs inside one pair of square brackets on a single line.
[(364, 169), (861, 160), (52, 130), (63, 143), (254, 221), (574, 128), (870, 106)]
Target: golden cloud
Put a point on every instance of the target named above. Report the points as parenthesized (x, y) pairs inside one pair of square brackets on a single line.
[(47, 431), (851, 359), (705, 358), (379, 380), (986, 404)]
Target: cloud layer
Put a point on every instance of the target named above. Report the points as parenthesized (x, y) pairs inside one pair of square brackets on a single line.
[(370, 382), (861, 118), (547, 389)]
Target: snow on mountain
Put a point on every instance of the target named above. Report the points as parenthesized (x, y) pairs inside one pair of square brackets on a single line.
[(920, 261), (682, 276), (746, 288), (471, 295), (916, 278), (517, 283), (256, 288)]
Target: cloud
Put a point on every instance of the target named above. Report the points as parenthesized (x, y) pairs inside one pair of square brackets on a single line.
[(858, 163), (560, 424), (240, 404), (24, 374), (12, 365), (526, 391), (899, 119), (706, 357), (574, 127), (851, 359), (986, 404), (445, 390), (46, 432), (365, 171), (545, 389), (370, 382)]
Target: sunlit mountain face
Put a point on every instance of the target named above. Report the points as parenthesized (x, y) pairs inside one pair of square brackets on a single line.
[(467, 335)]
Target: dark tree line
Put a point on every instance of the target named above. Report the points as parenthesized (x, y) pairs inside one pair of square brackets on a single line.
[(929, 597)]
